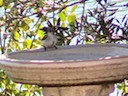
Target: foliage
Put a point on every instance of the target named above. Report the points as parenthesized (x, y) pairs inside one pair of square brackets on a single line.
[(104, 26), (22, 20), (19, 30), (9, 88)]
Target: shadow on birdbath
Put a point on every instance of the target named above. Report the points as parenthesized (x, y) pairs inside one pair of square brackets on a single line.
[(83, 70)]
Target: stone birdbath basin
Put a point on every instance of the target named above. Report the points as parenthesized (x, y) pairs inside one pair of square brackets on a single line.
[(83, 70)]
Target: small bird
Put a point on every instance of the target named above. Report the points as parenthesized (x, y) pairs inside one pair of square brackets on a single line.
[(50, 39), (52, 34)]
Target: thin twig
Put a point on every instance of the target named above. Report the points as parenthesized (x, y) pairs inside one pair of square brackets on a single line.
[(82, 17), (53, 12), (2, 50), (63, 7), (36, 31)]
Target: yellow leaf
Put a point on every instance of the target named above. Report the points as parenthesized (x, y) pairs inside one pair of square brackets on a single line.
[(24, 25), (62, 16), (16, 36), (74, 8), (28, 43), (1, 3), (40, 33), (28, 20), (71, 18)]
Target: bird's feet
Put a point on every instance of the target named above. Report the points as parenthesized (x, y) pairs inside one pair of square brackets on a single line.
[(45, 48), (55, 47)]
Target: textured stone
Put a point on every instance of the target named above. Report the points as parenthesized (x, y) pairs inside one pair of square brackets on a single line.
[(87, 69), (88, 90)]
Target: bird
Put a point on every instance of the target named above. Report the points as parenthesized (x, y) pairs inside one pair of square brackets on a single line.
[(50, 39), (53, 33)]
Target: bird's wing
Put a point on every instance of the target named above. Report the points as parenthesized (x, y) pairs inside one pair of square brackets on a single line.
[(44, 37)]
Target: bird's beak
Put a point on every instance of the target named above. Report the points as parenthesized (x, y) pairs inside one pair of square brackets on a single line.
[(44, 28)]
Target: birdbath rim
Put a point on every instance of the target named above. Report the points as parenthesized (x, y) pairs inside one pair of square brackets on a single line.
[(6, 57), (68, 65)]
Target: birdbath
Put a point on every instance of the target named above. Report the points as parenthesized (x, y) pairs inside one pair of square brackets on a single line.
[(82, 70)]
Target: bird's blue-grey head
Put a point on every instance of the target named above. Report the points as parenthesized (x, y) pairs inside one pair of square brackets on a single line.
[(48, 29)]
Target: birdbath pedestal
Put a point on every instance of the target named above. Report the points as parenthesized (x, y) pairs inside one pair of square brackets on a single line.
[(83, 70)]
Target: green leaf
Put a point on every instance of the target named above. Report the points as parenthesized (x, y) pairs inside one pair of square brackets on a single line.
[(24, 26), (36, 42), (7, 4), (74, 8)]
